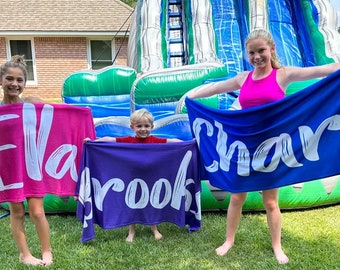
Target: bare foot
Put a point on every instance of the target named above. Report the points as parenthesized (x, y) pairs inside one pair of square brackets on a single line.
[(130, 237), (47, 258), (31, 260), (222, 250), (281, 256), (156, 233)]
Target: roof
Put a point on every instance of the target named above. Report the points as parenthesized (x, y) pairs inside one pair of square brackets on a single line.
[(32, 16)]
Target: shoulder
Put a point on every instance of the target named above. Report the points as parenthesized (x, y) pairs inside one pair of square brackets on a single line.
[(241, 77), (287, 70), (286, 75), (33, 100)]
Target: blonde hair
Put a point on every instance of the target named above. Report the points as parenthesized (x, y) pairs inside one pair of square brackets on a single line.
[(17, 61), (138, 115), (268, 38)]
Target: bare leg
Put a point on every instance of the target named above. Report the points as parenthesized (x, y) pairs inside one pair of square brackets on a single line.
[(17, 219), (156, 233), (131, 235), (233, 219), (37, 214), (270, 200)]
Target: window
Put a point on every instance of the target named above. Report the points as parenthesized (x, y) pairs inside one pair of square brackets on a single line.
[(24, 47), (101, 53)]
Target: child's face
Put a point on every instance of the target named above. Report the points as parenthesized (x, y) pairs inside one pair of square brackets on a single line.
[(142, 128), (13, 82), (259, 52)]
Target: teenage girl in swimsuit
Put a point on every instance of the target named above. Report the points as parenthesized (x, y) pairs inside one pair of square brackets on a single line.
[(266, 83)]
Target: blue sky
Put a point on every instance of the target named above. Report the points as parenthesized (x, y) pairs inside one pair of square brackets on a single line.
[(336, 5)]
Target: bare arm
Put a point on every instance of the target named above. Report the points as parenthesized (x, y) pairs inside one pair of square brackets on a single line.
[(173, 140), (287, 75), (103, 139), (226, 86), (106, 139), (33, 100)]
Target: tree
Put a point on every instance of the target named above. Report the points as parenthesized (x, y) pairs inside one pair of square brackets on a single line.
[(131, 3)]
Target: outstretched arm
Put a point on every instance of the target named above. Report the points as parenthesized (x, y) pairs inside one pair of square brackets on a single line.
[(103, 139), (106, 139), (173, 140), (32, 99), (294, 74), (226, 86)]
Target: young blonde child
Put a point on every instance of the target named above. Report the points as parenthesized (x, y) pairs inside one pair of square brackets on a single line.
[(142, 123)]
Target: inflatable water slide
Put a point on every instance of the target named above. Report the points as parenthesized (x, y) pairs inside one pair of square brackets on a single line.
[(176, 45)]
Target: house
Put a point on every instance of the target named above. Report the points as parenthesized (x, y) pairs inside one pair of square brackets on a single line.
[(61, 37)]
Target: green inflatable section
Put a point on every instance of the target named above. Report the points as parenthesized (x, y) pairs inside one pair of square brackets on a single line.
[(304, 195), (104, 82), (170, 85), (315, 36), (297, 86), (54, 204)]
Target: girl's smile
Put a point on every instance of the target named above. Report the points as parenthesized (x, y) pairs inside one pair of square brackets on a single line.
[(259, 52), (13, 82)]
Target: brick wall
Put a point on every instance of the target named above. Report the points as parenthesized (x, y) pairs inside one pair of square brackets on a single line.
[(121, 45), (2, 50), (57, 58), (2, 57)]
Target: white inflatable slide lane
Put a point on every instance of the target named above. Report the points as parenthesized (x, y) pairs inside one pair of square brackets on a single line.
[(328, 28), (151, 36), (258, 15), (153, 39), (327, 23), (203, 31), (132, 59)]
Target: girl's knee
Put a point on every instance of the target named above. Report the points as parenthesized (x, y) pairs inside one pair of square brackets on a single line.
[(238, 199), (271, 205), (36, 208), (37, 215), (17, 210), (270, 199)]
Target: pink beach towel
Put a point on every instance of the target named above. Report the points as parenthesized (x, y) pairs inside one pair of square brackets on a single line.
[(40, 149)]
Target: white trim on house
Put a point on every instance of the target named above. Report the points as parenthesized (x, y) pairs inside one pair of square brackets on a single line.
[(88, 48), (8, 55)]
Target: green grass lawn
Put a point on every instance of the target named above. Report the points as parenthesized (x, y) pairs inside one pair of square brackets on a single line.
[(311, 239)]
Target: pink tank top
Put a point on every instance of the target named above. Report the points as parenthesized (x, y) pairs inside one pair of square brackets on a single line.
[(258, 92)]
